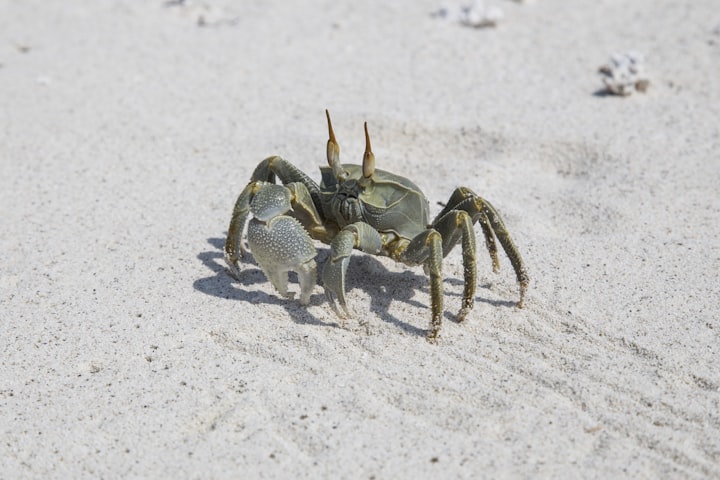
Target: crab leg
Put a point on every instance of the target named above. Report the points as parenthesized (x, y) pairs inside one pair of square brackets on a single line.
[(464, 199), (234, 249), (426, 249), (508, 245), (490, 241), (454, 224), (287, 173), (493, 226), (304, 210)]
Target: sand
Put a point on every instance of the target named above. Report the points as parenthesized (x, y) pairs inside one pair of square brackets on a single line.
[(127, 130)]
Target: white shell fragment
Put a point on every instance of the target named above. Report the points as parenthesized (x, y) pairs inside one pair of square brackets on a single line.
[(624, 74), (202, 12), (476, 15)]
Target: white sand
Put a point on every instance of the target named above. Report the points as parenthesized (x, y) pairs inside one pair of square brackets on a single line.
[(127, 131)]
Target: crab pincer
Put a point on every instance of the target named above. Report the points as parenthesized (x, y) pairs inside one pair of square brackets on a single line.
[(280, 243), (354, 236)]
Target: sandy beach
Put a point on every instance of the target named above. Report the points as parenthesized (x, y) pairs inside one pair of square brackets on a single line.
[(128, 129)]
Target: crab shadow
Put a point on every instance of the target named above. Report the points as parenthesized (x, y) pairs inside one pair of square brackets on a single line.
[(223, 285), (365, 272)]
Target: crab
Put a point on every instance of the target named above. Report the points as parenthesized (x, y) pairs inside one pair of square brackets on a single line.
[(364, 208)]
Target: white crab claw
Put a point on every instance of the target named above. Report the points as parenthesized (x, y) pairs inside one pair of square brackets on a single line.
[(334, 284), (281, 245)]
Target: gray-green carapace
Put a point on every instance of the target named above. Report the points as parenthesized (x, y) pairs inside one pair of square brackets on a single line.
[(364, 208)]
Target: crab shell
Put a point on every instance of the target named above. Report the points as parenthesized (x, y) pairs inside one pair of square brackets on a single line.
[(388, 202)]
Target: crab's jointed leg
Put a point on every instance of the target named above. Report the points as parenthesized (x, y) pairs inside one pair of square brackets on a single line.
[(356, 235), (426, 249), (503, 236), (481, 210), (453, 226)]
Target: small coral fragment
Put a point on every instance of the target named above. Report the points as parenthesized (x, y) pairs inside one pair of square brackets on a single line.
[(478, 15), (624, 74), (475, 15)]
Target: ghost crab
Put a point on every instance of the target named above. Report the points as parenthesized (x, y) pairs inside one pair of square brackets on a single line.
[(364, 208)]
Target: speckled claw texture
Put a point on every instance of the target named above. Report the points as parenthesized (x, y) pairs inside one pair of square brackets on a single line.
[(280, 243)]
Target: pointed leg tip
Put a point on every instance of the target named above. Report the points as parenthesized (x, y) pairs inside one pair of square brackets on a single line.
[(233, 268), (523, 290), (341, 301), (433, 333), (331, 300), (366, 325)]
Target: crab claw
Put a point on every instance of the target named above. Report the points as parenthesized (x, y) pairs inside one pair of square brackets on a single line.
[(335, 270), (280, 243), (357, 235), (334, 283)]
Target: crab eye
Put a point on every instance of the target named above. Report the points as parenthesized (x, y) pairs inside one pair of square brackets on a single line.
[(368, 165)]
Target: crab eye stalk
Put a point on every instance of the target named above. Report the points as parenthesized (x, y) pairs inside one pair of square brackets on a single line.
[(333, 152), (368, 166), (333, 149)]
